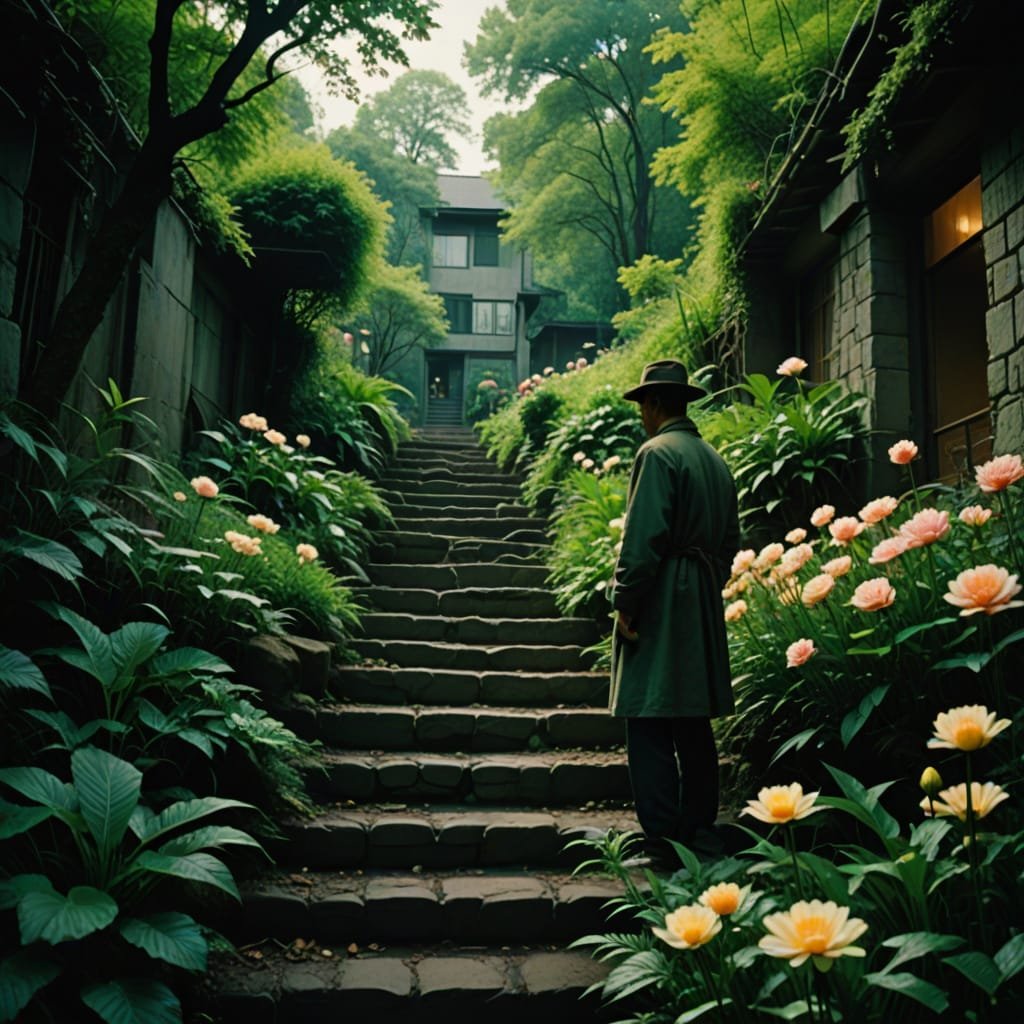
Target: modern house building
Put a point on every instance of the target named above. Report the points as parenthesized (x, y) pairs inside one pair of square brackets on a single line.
[(902, 275), (488, 292)]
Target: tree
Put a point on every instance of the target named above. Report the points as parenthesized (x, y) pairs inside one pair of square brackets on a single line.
[(308, 27), (575, 163), (397, 315), (416, 116)]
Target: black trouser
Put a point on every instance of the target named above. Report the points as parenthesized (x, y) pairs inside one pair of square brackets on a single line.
[(673, 769)]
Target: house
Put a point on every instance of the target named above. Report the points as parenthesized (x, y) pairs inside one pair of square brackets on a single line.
[(489, 295), (901, 275)]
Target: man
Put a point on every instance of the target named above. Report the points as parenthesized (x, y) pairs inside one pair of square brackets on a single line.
[(670, 660)]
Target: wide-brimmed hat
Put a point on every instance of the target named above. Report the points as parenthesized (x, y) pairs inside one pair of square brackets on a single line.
[(665, 373)]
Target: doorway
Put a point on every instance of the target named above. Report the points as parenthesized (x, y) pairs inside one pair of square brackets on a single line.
[(444, 390)]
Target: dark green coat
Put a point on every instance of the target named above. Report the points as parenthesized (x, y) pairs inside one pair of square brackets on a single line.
[(681, 534)]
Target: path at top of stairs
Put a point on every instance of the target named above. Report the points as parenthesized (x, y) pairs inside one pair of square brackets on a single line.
[(461, 756)]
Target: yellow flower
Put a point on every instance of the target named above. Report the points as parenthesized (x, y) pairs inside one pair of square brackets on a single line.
[(777, 805), (952, 802), (724, 898), (306, 552), (931, 782), (822, 930), (263, 523), (968, 727), (689, 927)]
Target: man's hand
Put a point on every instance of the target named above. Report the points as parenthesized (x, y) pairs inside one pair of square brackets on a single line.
[(624, 625)]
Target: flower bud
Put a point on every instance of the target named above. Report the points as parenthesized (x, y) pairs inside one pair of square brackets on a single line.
[(931, 782)]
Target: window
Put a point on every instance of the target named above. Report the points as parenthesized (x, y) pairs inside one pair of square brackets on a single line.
[(817, 335), (451, 250), (459, 310), (492, 317), (485, 249)]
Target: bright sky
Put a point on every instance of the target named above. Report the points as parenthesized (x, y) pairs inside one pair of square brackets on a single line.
[(457, 20)]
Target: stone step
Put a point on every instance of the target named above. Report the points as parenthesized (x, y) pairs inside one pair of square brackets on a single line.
[(452, 476), (555, 778), (452, 727), (477, 630), (525, 528), (441, 837), (495, 488), (494, 602), (440, 984), (513, 657), (419, 498), (478, 906), (425, 549), (461, 461), (440, 577), (505, 510), (391, 686)]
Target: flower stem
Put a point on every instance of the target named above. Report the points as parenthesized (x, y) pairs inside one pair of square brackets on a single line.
[(972, 855), (791, 846), (709, 981), (1007, 507)]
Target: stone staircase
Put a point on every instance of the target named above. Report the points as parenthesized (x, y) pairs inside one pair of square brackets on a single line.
[(461, 756)]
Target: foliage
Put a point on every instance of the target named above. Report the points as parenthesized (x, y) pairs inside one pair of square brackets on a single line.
[(397, 315), (750, 75), (586, 535), (937, 925), (538, 415), (792, 445), (880, 644), (488, 389), (574, 165), (301, 201), (416, 116)]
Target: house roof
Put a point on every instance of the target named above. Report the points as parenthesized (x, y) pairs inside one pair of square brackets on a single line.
[(467, 192)]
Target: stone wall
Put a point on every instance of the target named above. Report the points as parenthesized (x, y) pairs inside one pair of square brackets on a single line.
[(1002, 197)]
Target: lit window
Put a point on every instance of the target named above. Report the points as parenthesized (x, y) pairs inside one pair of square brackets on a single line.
[(451, 250), (956, 221)]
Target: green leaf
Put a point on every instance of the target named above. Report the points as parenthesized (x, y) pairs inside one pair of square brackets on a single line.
[(912, 945), (20, 672), (54, 918), (1012, 638), (49, 554), (635, 973), (910, 985), (15, 819), (169, 936), (108, 789), (977, 968), (133, 1001), (211, 837), (12, 889), (42, 787), (699, 1011), (883, 823), (791, 1011), (181, 813), (975, 661), (905, 634), (95, 642), (22, 438), (21, 977), (878, 652), (136, 642), (1010, 958), (796, 742), (186, 659), (194, 867), (855, 720)]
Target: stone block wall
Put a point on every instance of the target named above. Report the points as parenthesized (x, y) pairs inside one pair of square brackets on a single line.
[(1002, 199)]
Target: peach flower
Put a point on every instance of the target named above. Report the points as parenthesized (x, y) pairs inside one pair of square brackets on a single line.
[(800, 652), (997, 474), (611, 462), (887, 550), (796, 536), (838, 566), (968, 727), (302, 440), (975, 515), (952, 802), (873, 595), (985, 588), (275, 437), (777, 805), (795, 559), (578, 457), (903, 452), (242, 543), (791, 367), (724, 899), (877, 510), (823, 515), (180, 496), (768, 555), (253, 422), (743, 561), (306, 552), (735, 611), (262, 523), (845, 529), (689, 927), (204, 487), (816, 930), (925, 527), (817, 589), (587, 464)]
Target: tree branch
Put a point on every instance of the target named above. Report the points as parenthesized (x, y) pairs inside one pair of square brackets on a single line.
[(159, 103)]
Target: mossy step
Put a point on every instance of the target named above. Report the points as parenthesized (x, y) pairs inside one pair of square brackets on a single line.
[(452, 576), (424, 549), (519, 528), (492, 602), (503, 510), (497, 488), (478, 630), (494, 658)]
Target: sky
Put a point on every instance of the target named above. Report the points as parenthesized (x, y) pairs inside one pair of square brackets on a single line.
[(458, 20)]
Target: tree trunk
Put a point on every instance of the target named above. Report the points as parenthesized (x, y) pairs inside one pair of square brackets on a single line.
[(107, 255)]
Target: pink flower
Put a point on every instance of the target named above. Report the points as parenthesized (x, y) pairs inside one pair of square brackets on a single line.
[(581, 363), (535, 377), (800, 652), (735, 611), (975, 515), (768, 555), (306, 553), (302, 440), (242, 543), (985, 588), (822, 515), (838, 566), (873, 595), (997, 474), (924, 528), (486, 383), (548, 370), (347, 338), (791, 367), (817, 589), (903, 452), (887, 550), (262, 523), (571, 365), (795, 559), (275, 437), (877, 510), (253, 422), (204, 487), (845, 529), (587, 464), (796, 535), (743, 561)]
